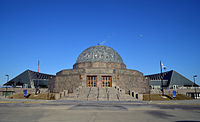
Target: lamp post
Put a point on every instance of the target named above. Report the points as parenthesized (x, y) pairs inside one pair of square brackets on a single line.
[(195, 92), (161, 78), (6, 85)]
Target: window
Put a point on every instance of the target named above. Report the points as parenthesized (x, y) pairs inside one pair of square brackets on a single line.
[(132, 94), (106, 81), (91, 81)]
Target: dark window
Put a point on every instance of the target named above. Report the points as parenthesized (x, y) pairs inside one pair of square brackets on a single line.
[(91, 81)]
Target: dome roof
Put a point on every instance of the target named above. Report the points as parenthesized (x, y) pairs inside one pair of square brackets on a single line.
[(99, 53)]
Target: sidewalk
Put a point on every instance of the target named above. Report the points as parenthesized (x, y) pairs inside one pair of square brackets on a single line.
[(179, 102), (171, 102)]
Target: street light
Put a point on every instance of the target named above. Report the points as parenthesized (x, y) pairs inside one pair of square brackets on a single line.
[(7, 77), (6, 85), (195, 92), (161, 77)]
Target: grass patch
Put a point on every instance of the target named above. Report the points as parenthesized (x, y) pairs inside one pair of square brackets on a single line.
[(154, 97)]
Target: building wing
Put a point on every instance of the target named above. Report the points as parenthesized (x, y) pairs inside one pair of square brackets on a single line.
[(30, 79), (180, 80), (170, 79)]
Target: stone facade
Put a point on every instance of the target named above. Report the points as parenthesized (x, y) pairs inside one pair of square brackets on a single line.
[(107, 71), (126, 79), (68, 80), (99, 65)]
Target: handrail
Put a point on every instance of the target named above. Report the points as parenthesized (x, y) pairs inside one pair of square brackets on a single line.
[(118, 95), (98, 93), (89, 92), (107, 92)]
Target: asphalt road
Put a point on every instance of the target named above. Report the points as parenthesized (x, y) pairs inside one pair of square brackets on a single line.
[(73, 111)]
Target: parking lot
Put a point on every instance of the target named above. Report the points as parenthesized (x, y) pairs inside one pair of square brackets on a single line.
[(87, 111)]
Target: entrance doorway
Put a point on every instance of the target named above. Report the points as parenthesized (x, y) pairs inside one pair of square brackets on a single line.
[(91, 81), (106, 81)]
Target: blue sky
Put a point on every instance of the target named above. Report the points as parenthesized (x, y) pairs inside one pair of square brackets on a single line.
[(143, 32)]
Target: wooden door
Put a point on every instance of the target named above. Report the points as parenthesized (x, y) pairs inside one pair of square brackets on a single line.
[(91, 81), (106, 81)]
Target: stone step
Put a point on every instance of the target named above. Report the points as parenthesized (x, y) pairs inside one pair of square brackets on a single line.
[(100, 94)]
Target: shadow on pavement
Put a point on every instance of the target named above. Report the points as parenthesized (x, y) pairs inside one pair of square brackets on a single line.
[(98, 107), (159, 114)]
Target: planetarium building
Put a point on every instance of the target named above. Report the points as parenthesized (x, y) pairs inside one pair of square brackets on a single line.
[(100, 74)]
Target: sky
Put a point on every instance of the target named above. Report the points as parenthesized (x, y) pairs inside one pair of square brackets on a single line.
[(143, 32)]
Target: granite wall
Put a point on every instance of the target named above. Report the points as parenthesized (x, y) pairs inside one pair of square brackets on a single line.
[(99, 65), (129, 80)]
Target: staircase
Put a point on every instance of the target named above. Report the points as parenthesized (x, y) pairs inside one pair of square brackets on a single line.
[(99, 94)]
